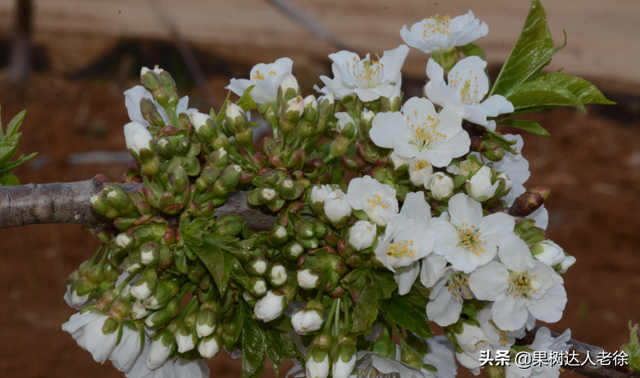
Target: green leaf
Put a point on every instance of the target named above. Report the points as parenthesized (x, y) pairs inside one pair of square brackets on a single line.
[(583, 90), (531, 126), (246, 102), (536, 94), (384, 282), (283, 323), (280, 347), (531, 53), (365, 312), (253, 348), (8, 179), (8, 167), (473, 50), (15, 123), (218, 263), (238, 273), (408, 317)]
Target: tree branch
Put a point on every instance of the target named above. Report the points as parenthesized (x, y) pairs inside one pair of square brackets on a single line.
[(69, 203), (583, 351)]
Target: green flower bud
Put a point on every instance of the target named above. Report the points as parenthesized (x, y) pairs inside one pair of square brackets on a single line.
[(195, 273), (150, 112), (149, 253), (219, 159), (150, 80), (230, 177), (99, 203), (228, 225), (292, 251), (257, 286), (256, 266), (158, 318), (277, 236), (120, 201)]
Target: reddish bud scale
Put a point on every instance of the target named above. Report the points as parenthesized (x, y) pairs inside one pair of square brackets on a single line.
[(529, 202)]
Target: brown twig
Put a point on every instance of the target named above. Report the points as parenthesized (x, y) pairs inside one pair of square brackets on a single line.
[(70, 203)]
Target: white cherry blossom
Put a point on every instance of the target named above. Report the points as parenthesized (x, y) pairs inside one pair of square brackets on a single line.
[(435, 33), (266, 78), (470, 240), (542, 343), (369, 79), (519, 285), (445, 300), (419, 131), (466, 89), (377, 200), (407, 239)]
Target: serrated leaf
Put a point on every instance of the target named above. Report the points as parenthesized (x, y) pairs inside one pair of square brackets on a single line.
[(384, 282), (406, 316), (583, 90), (253, 348), (530, 126), (280, 347), (246, 101), (218, 263), (531, 53), (365, 312), (537, 94), (15, 123), (238, 273), (8, 179)]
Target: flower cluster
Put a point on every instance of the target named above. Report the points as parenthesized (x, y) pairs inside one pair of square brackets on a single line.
[(435, 225)]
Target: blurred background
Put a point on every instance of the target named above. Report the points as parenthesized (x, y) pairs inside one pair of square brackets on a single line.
[(67, 63)]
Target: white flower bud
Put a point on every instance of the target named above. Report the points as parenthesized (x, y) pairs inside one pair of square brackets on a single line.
[(318, 369), (278, 275), (441, 185), (480, 187), (141, 291), (158, 354), (549, 253), (508, 183), (367, 115), (290, 82), (281, 232), (260, 266), (362, 235), (260, 287), (138, 310), (204, 330), (268, 194), (305, 321), (310, 101), (336, 206), (136, 136), (343, 369), (123, 240), (343, 120), (270, 307), (185, 342), (78, 300), (307, 280), (234, 111), (319, 193), (208, 347), (566, 263), (199, 119)]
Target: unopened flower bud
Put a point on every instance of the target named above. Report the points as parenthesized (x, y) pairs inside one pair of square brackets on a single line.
[(420, 171), (362, 235), (206, 322), (566, 263), (277, 236), (292, 251), (288, 89), (529, 201), (186, 338), (256, 266), (318, 363), (236, 119), (257, 286), (149, 253), (346, 125), (326, 107), (150, 79), (230, 176), (277, 275), (307, 320), (441, 186), (160, 349), (228, 225), (337, 208), (290, 114), (344, 361), (144, 288), (309, 279), (479, 187), (99, 203), (508, 184), (209, 346), (548, 252), (338, 147), (137, 137), (311, 109), (270, 307)]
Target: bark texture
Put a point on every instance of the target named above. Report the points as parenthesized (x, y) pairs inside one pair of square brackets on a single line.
[(69, 203)]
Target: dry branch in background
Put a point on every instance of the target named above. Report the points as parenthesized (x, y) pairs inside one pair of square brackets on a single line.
[(69, 203)]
